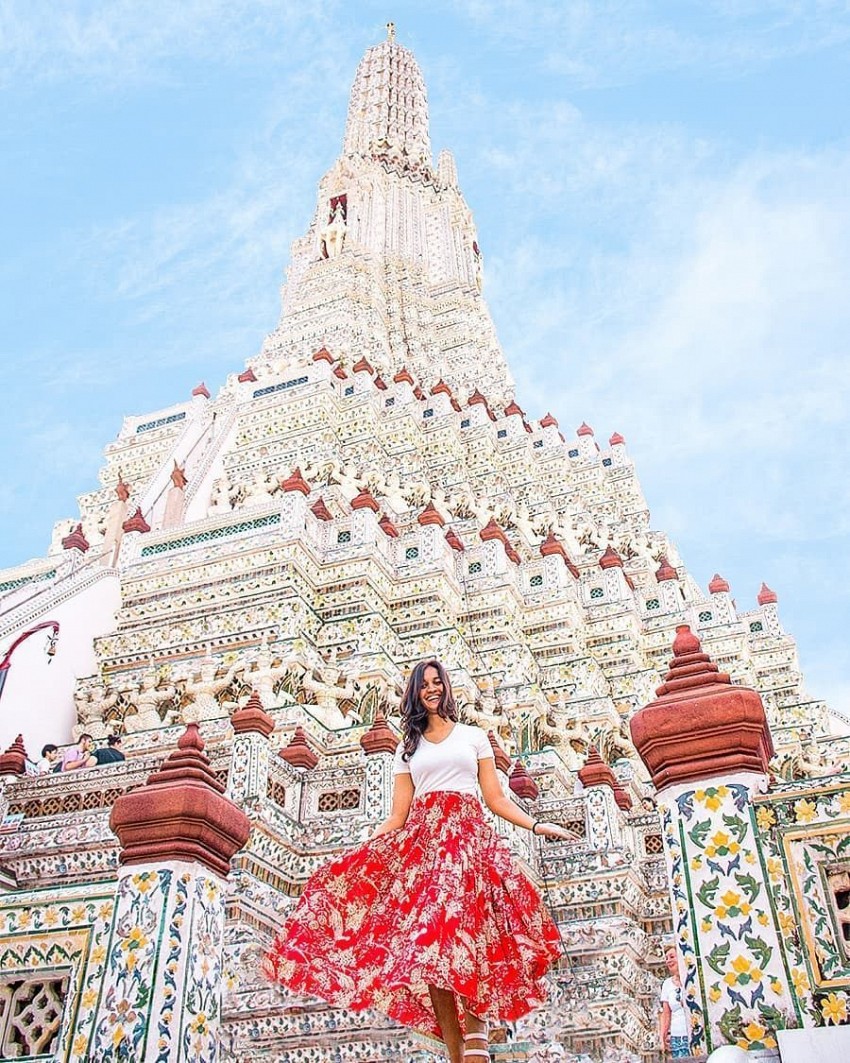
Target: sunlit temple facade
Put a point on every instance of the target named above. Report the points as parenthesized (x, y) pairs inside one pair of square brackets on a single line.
[(242, 597)]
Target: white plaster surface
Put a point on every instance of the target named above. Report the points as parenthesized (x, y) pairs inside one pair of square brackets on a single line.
[(823, 1044)]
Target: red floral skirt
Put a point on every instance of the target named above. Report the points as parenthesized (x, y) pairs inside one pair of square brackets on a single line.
[(438, 902)]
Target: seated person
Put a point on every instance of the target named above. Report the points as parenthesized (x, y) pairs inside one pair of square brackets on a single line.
[(108, 754), (49, 759), (78, 756)]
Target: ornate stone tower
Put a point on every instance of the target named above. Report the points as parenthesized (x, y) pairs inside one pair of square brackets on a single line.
[(269, 561)]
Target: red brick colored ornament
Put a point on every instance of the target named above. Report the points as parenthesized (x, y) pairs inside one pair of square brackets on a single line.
[(403, 376), (718, 585), (610, 559), (665, 571), (616, 440), (379, 738), (137, 522), (14, 760), (248, 377), (584, 429), (548, 422), (700, 725), (767, 596), (298, 753), (321, 511), (202, 390), (441, 388), (430, 515), (595, 772), (180, 813), (252, 718), (513, 410), (387, 527), (76, 540), (503, 761), (323, 355), (363, 367), (454, 542), (380, 383), (522, 783), (296, 482), (365, 500), (340, 373)]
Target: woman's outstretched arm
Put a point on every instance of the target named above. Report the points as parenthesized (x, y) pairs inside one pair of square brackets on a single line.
[(502, 806), (402, 800)]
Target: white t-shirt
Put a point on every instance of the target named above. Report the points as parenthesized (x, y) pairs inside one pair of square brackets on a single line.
[(448, 765), (671, 994)]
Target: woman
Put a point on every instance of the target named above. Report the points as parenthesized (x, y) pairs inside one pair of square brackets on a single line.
[(673, 1021), (431, 921)]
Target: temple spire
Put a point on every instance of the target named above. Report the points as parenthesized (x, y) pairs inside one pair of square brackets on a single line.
[(388, 107)]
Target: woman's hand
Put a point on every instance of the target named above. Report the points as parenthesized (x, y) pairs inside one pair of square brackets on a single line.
[(554, 830)]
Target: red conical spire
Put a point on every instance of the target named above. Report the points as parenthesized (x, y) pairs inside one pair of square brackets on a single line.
[(522, 783), (14, 760), (610, 559), (298, 753), (718, 585), (76, 540), (320, 511), (296, 482), (503, 761), (365, 500), (252, 718), (767, 596), (665, 571), (584, 429), (180, 813), (379, 738)]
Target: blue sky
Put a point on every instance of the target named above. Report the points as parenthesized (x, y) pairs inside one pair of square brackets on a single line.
[(660, 194)]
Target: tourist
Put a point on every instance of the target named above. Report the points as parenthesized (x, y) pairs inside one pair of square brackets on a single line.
[(49, 759), (673, 1022), (430, 921), (111, 753), (77, 756)]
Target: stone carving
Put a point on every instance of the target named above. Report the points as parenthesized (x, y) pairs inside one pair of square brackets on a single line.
[(148, 714)]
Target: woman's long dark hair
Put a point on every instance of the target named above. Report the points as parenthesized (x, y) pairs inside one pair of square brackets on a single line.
[(414, 716)]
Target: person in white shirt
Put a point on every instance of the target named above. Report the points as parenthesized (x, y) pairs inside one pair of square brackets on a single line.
[(673, 1026), (431, 921)]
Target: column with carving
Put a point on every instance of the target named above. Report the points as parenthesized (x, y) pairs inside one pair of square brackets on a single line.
[(707, 744), (161, 994), (248, 778), (379, 744)]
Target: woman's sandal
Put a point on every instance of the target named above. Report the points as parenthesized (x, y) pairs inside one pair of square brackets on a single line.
[(482, 1053)]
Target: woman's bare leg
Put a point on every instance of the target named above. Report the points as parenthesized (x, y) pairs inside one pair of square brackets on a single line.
[(476, 1039), (445, 1009)]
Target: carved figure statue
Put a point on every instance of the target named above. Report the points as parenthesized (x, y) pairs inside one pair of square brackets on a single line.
[(113, 528), (328, 693), (204, 704), (263, 676), (219, 497), (92, 704), (259, 491), (332, 235), (148, 715), (175, 499)]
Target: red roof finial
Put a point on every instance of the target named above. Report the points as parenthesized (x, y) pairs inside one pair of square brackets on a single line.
[(522, 783), (252, 718), (137, 522), (610, 559), (298, 753), (595, 772), (296, 482), (548, 421), (512, 410), (180, 813), (584, 429), (323, 355), (701, 725), (14, 760), (363, 366), (441, 388), (616, 440), (320, 511), (503, 761), (365, 500), (201, 389), (76, 540), (718, 585), (379, 738), (767, 596), (454, 541), (665, 570), (430, 515), (248, 377), (403, 376), (387, 527)]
